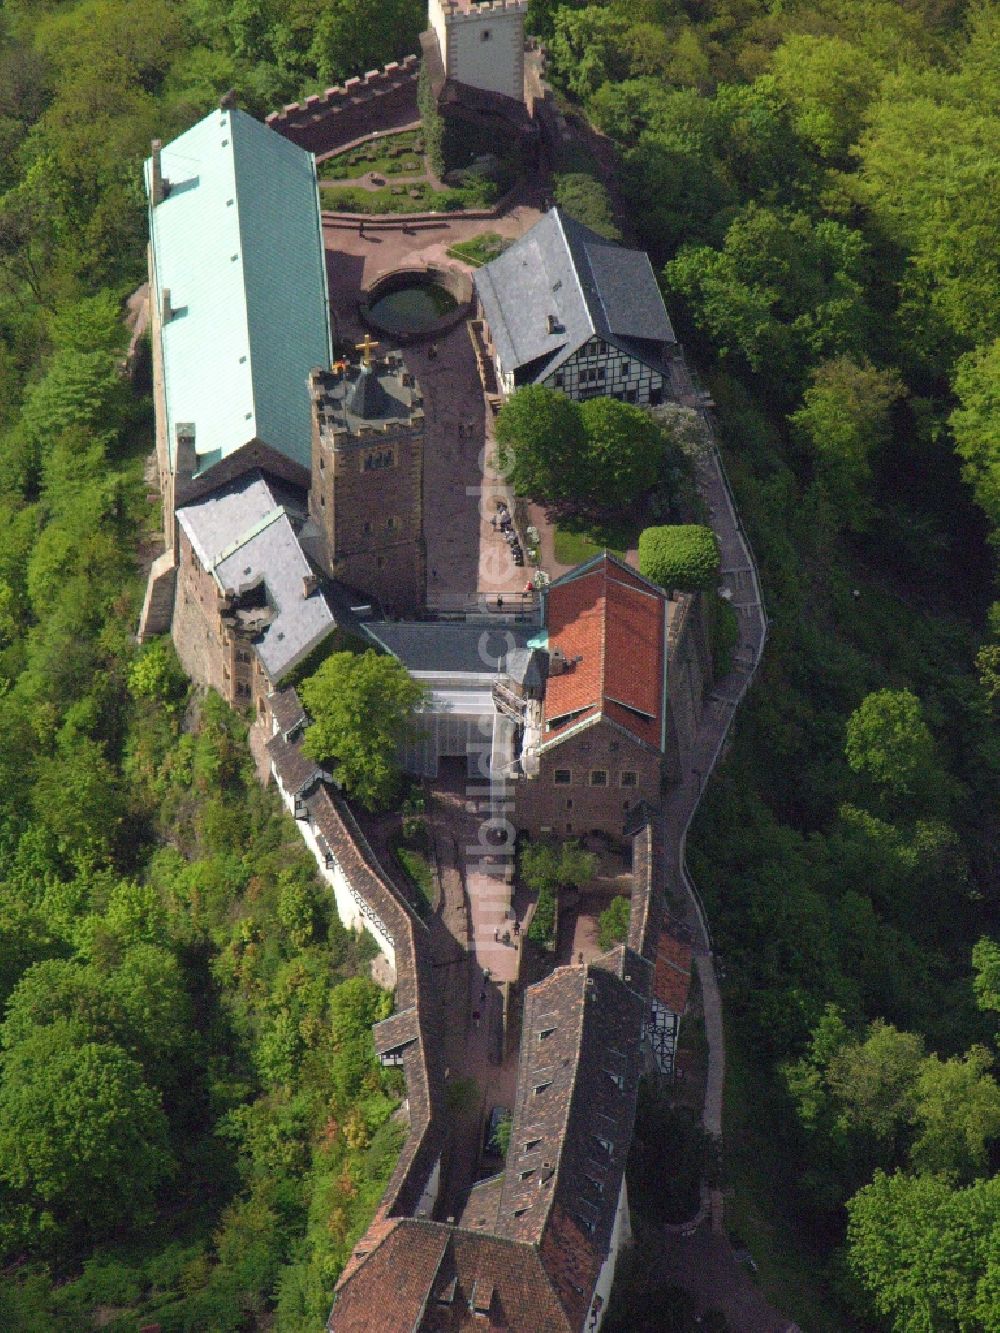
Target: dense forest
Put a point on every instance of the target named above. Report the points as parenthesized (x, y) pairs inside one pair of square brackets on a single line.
[(813, 181), (193, 1126)]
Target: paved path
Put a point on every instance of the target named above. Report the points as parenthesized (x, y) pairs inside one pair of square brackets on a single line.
[(740, 576)]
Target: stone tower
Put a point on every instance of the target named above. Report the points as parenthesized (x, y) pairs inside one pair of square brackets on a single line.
[(366, 496), (481, 45)]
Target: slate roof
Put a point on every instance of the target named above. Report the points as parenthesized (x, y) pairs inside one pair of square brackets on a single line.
[(426, 1277), (287, 711), (238, 243), (590, 286), (445, 647), (298, 772), (576, 1087), (359, 398), (242, 534), (610, 624)]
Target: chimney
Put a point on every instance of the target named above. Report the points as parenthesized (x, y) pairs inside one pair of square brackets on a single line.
[(157, 191), (309, 584), (165, 308)]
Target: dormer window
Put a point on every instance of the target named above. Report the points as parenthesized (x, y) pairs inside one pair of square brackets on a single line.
[(617, 1079), (545, 1034), (532, 1144), (541, 1087)]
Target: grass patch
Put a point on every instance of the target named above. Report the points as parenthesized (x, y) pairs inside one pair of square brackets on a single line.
[(388, 155), (479, 250), (418, 872), (577, 540)]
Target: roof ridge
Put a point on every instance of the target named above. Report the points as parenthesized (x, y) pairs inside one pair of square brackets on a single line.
[(557, 213), (235, 121)]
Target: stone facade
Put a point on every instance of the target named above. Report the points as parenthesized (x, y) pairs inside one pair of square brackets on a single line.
[(590, 782), (213, 652), (366, 497), (482, 45)]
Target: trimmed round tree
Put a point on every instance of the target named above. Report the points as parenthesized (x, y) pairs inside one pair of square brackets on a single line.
[(541, 447), (684, 556)]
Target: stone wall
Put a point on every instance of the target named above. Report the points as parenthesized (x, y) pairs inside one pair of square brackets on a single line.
[(365, 894), (197, 628), (383, 100), (574, 808)]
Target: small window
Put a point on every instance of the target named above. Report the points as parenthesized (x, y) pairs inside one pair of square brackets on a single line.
[(616, 1079), (391, 524), (485, 35), (322, 463), (367, 529), (628, 778), (562, 777), (598, 777), (560, 380)]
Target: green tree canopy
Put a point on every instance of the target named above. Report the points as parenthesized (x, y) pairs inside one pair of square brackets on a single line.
[(82, 1137), (540, 443), (927, 1252), (681, 556), (612, 924), (986, 969), (783, 293), (600, 454), (828, 83), (624, 452), (976, 424), (957, 1114), (844, 418), (889, 741), (361, 707)]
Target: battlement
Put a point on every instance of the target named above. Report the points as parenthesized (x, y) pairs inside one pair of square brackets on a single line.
[(462, 11), (376, 81), (382, 99)]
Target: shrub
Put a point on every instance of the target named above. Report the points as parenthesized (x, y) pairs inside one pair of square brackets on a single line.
[(683, 556), (585, 198), (612, 924)]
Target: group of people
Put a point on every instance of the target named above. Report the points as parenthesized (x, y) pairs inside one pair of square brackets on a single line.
[(503, 523)]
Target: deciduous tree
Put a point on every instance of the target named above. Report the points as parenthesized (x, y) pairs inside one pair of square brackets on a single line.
[(361, 707)]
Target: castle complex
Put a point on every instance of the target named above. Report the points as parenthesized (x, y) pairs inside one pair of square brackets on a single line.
[(296, 511)]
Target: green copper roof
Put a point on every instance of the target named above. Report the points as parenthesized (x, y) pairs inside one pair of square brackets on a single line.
[(238, 244)]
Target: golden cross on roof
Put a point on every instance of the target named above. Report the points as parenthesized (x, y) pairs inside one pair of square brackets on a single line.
[(366, 348)]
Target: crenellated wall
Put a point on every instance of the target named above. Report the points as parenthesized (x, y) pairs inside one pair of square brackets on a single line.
[(382, 100)]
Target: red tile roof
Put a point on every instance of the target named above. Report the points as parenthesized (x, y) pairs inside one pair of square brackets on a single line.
[(390, 1288), (610, 625), (672, 977)]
